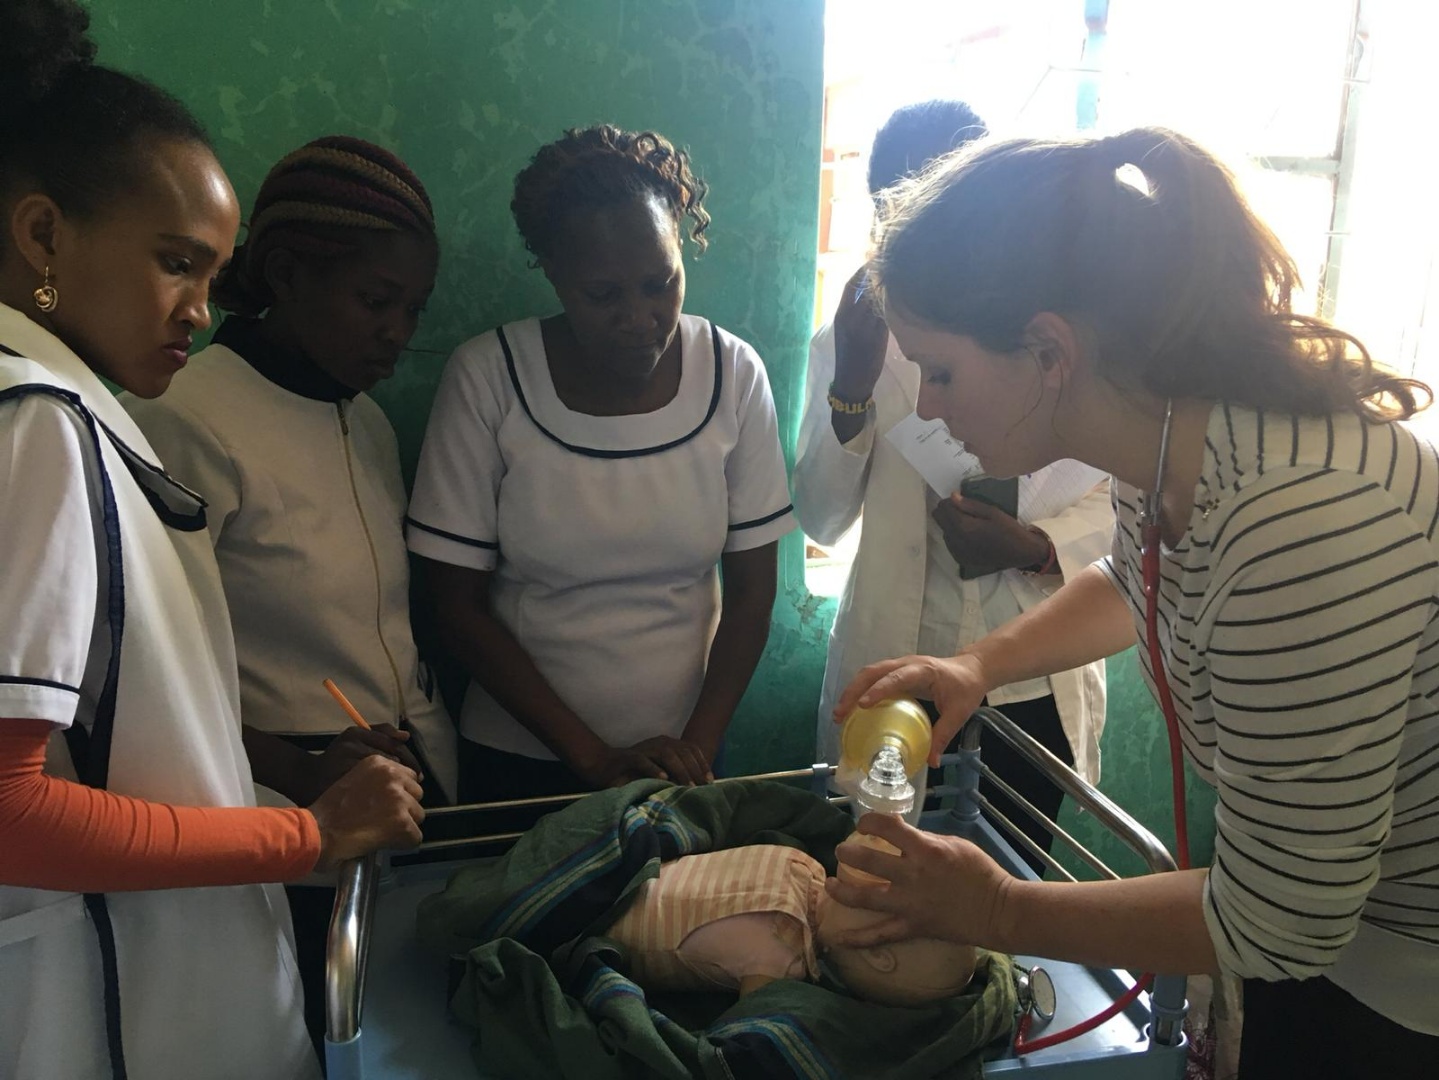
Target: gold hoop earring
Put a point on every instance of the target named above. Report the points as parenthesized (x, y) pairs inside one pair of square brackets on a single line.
[(47, 298)]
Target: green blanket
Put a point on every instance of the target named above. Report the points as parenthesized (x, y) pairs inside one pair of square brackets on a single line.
[(548, 995)]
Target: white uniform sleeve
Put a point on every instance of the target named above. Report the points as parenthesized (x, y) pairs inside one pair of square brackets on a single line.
[(190, 452), (1082, 533), (453, 514), (48, 588), (759, 505), (829, 476), (1111, 563)]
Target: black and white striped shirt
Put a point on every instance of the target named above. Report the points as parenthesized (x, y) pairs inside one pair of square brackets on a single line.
[(1298, 623)]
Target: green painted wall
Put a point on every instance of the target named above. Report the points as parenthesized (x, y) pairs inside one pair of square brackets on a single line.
[(466, 90)]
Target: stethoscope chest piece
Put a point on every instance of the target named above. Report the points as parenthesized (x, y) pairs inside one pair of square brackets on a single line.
[(1037, 994)]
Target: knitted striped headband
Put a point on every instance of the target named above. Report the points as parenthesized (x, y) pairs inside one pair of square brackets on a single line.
[(310, 201)]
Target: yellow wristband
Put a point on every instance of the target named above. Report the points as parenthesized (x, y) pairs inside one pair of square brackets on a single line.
[(848, 408)]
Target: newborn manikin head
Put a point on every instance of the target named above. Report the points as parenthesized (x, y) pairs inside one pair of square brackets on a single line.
[(916, 971)]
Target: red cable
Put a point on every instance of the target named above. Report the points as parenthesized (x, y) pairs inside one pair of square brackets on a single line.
[(1181, 822), (1161, 683), (1119, 1005)]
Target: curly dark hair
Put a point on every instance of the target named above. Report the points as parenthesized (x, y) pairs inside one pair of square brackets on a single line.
[(69, 126), (598, 167)]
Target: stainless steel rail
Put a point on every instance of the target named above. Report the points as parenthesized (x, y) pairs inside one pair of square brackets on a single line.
[(1167, 1004), (348, 946), (1134, 835), (555, 800)]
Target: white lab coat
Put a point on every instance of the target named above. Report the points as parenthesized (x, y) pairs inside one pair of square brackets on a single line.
[(206, 981), (879, 612)]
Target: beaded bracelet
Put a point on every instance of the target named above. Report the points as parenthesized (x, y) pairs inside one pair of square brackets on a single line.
[(848, 408)]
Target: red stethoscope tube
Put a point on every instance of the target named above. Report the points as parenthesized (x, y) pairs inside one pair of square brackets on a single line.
[(1149, 555)]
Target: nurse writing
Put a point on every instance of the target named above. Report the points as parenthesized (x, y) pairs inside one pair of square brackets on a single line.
[(136, 937), (1061, 300), (585, 477), (321, 300), (323, 296)]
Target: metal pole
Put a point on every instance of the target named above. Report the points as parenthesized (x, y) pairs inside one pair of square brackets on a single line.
[(1134, 835), (1166, 1000), (347, 947), (819, 770)]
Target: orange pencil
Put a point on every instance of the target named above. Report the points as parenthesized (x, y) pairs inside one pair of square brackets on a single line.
[(353, 712)]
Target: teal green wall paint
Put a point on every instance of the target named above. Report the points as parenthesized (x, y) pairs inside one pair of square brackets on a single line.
[(466, 91)]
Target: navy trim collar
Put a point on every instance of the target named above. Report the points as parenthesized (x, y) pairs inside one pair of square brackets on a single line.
[(644, 451)]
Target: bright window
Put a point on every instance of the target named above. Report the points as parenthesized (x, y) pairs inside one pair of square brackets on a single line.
[(1309, 101)]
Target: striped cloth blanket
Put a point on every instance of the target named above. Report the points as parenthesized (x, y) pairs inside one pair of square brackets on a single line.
[(548, 995)]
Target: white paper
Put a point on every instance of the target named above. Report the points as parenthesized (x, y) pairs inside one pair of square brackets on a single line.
[(1051, 491), (940, 459)]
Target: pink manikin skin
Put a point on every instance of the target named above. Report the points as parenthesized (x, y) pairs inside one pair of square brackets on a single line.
[(755, 945)]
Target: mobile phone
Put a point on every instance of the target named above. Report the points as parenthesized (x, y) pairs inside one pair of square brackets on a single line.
[(1001, 494)]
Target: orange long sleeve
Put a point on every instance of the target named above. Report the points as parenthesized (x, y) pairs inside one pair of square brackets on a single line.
[(65, 836)]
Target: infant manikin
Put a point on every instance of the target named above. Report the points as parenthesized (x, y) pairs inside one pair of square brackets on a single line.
[(741, 918)]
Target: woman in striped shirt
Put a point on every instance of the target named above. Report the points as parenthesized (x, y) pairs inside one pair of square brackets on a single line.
[(1060, 298)]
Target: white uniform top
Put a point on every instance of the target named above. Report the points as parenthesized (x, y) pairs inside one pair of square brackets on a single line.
[(904, 593), (115, 621), (604, 532), (306, 511)]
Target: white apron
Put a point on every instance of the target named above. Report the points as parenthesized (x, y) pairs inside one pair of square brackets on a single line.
[(204, 979)]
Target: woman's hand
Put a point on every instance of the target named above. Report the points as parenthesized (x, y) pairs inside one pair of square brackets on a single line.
[(351, 747), (375, 805), (956, 685), (659, 757), (680, 760), (861, 340), (984, 539), (939, 887)]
